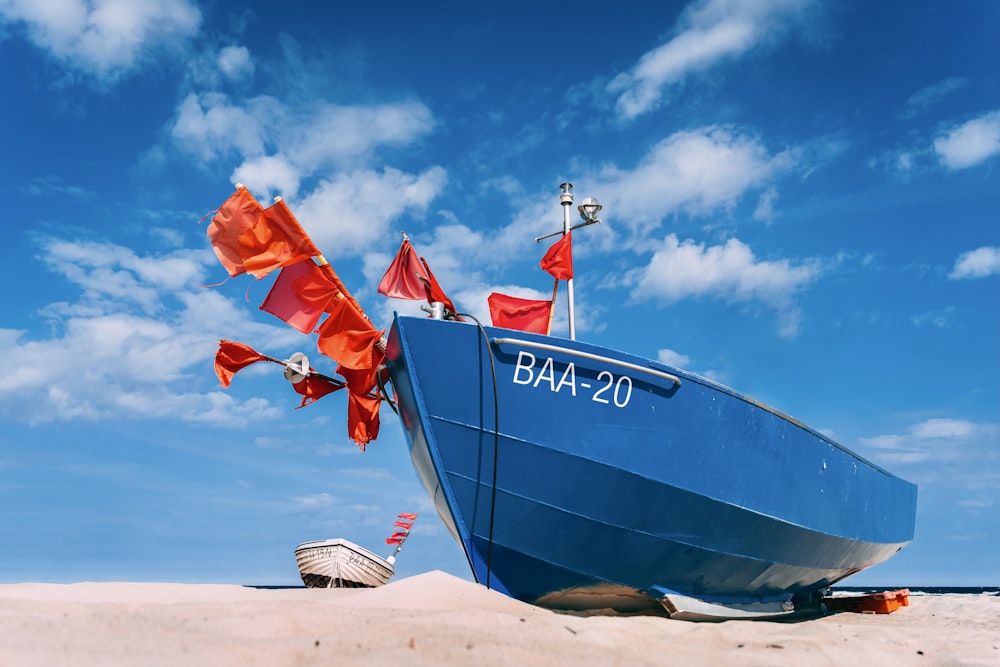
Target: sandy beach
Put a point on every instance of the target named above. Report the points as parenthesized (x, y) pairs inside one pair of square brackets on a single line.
[(437, 619)]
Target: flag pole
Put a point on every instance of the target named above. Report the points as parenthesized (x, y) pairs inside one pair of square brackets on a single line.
[(566, 199), (552, 307)]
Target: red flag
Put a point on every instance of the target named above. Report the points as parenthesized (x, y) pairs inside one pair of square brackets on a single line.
[(233, 357), (312, 388), (361, 380), (300, 294), (558, 261), (409, 517), (434, 291), (347, 336), (362, 410), (275, 240), (403, 278), (394, 540), (512, 312), (236, 216), (405, 525), (410, 277)]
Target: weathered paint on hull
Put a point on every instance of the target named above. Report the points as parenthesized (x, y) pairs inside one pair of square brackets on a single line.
[(339, 563)]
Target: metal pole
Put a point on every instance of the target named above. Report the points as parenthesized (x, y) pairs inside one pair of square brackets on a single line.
[(566, 199)]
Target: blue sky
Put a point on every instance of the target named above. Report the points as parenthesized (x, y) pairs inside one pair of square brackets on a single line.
[(801, 200)]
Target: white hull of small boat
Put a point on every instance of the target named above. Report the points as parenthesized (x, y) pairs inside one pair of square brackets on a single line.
[(339, 563)]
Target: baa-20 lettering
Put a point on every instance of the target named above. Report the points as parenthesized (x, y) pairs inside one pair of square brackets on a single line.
[(610, 389)]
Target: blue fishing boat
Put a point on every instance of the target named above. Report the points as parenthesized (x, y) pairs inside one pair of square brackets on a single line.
[(575, 476)]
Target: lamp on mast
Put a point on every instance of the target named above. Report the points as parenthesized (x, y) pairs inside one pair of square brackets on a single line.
[(588, 211)]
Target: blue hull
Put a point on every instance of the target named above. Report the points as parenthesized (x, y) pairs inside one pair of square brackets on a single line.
[(573, 471)]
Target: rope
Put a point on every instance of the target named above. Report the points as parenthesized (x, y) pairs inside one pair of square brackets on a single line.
[(496, 445)]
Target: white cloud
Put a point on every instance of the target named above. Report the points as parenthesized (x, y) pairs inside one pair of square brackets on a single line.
[(103, 37), (931, 95), (235, 62), (941, 440), (671, 358), (315, 500), (941, 318), (277, 147), (140, 335), (729, 271), (978, 263), (347, 213), (336, 134), (708, 32), (694, 171), (269, 175), (210, 126), (970, 143)]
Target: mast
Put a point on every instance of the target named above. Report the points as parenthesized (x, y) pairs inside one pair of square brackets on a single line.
[(588, 211), (566, 199)]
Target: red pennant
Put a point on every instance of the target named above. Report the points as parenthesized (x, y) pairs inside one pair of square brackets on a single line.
[(558, 261)]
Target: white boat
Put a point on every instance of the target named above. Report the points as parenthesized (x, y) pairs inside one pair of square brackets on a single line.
[(340, 563)]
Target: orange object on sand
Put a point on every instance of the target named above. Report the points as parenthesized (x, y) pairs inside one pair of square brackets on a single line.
[(874, 603)]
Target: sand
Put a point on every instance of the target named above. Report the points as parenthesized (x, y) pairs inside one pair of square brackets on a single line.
[(437, 619)]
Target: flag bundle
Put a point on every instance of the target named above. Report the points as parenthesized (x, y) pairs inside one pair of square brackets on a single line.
[(248, 238), (405, 522)]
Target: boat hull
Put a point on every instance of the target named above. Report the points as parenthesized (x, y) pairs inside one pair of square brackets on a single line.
[(339, 563), (574, 475)]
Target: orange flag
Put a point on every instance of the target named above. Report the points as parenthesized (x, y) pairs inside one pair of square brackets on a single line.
[(275, 240), (362, 418), (558, 261), (235, 217), (232, 358), (300, 295), (362, 409), (347, 336), (511, 312)]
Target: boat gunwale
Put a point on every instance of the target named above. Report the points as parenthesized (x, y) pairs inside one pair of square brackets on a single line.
[(341, 542), (684, 374)]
